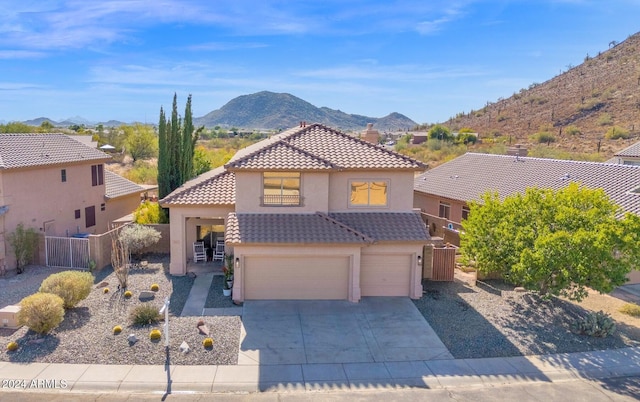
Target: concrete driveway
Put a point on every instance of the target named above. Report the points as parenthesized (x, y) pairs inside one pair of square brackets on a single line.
[(377, 329)]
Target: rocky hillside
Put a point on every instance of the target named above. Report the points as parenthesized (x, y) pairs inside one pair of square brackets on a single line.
[(269, 110), (577, 106)]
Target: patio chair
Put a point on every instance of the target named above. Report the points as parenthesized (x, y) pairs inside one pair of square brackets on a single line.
[(218, 253), (199, 253)]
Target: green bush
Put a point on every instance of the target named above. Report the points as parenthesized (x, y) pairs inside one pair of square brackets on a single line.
[(137, 237), (617, 132), (598, 324), (630, 309), (71, 286), (41, 312), (544, 137), (149, 212), (572, 130), (144, 314), (605, 119)]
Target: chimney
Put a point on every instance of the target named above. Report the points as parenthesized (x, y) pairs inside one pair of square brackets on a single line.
[(370, 134)]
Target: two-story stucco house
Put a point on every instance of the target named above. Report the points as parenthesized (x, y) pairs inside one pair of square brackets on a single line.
[(57, 186), (310, 213)]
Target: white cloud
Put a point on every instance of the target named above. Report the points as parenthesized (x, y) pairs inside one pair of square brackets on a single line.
[(21, 54)]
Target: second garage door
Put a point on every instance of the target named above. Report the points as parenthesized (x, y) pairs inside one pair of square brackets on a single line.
[(385, 275), (273, 278)]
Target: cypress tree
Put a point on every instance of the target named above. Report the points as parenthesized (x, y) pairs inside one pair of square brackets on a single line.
[(163, 150), (188, 143)]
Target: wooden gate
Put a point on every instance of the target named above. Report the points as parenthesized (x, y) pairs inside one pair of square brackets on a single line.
[(444, 262), (67, 252)]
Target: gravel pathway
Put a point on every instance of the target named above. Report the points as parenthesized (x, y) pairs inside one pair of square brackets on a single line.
[(493, 320), (85, 335)]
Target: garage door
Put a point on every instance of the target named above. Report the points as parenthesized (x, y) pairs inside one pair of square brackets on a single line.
[(385, 275), (267, 278)]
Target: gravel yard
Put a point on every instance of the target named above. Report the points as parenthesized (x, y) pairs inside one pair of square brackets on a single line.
[(493, 320), (85, 335)]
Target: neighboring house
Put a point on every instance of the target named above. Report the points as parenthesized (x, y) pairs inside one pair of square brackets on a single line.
[(122, 197), (443, 192), (310, 213), (57, 186), (628, 156)]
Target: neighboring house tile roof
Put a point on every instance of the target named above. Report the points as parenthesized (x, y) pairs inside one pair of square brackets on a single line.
[(215, 187), (30, 150), (469, 176), (632, 152), (385, 226), (347, 227), (117, 186), (289, 229), (322, 147)]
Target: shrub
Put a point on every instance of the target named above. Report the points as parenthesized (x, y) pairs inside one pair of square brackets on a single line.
[(137, 237), (117, 329), (11, 346), (144, 314), (598, 324), (24, 243), (41, 312), (155, 334), (544, 137), (71, 286), (207, 342), (155, 287), (605, 119), (128, 294), (617, 132), (105, 290), (149, 212), (572, 130), (630, 309)]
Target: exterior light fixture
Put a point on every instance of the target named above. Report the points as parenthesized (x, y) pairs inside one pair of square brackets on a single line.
[(419, 260)]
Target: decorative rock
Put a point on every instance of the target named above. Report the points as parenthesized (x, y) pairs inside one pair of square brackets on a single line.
[(147, 294), (132, 338), (519, 289), (184, 347), (204, 330), (191, 275), (102, 285)]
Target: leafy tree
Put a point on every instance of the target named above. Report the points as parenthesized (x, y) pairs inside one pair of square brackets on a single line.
[(24, 243), (201, 163), (17, 127), (440, 132), (149, 212), (141, 141), (138, 237), (176, 139), (554, 242)]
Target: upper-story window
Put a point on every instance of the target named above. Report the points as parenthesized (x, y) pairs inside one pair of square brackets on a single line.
[(97, 175), (368, 193), (281, 189), (445, 210), (465, 212), (63, 175)]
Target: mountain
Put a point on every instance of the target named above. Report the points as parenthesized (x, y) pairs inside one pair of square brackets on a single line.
[(269, 110), (586, 100), (39, 121)]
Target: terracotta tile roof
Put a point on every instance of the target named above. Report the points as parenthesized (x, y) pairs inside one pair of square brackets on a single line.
[(324, 146), (28, 150), (386, 226), (633, 151), (289, 229), (469, 176), (280, 156), (117, 186), (216, 187)]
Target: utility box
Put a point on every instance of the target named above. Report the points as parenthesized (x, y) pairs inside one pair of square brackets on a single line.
[(9, 317)]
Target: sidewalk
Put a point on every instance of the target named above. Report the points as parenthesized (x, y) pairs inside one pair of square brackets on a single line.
[(434, 374)]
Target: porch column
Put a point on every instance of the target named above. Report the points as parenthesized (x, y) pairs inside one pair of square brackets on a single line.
[(178, 265)]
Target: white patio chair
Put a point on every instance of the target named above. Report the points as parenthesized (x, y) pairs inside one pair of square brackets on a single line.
[(199, 253), (218, 253)]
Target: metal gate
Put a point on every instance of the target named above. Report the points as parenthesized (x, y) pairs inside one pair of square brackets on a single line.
[(67, 252)]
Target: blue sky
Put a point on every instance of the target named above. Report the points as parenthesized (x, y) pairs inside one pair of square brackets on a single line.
[(123, 59)]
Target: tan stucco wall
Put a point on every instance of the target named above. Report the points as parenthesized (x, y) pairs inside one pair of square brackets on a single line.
[(430, 204), (314, 187), (181, 232), (400, 190), (351, 251), (38, 195), (117, 208)]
